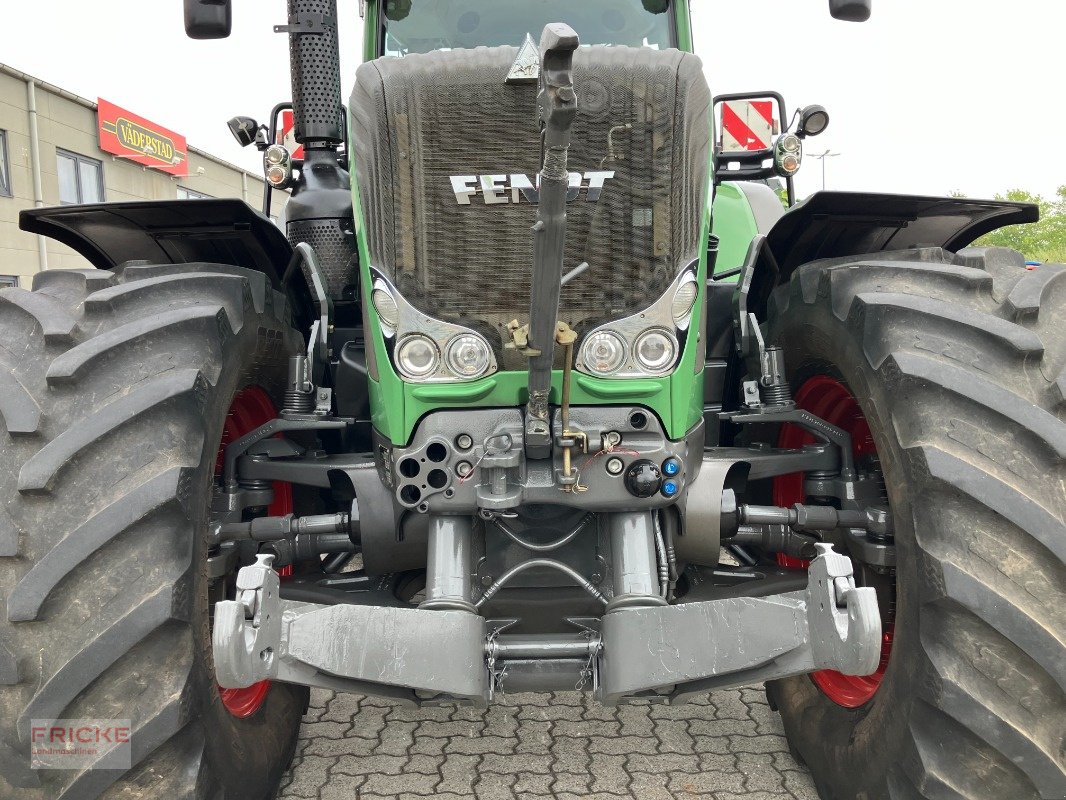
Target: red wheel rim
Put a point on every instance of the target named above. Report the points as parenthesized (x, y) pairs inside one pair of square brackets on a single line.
[(251, 408), (832, 401)]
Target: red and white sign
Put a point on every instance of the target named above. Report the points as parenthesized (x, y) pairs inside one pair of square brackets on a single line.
[(747, 125), (127, 135), (287, 135)]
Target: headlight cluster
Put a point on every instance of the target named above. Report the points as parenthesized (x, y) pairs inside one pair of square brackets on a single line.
[(429, 350), (277, 166), (644, 344), (788, 155)]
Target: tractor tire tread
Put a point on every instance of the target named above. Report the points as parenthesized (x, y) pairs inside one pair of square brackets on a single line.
[(960, 361), (110, 410)]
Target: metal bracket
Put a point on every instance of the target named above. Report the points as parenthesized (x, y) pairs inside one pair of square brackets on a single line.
[(747, 336), (698, 646), (307, 22), (235, 450), (848, 637), (349, 647), (318, 343), (805, 419), (247, 630)]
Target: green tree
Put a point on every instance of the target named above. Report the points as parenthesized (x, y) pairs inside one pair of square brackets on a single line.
[(1039, 241)]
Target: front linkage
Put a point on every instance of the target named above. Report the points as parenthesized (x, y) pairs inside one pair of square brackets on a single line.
[(667, 651)]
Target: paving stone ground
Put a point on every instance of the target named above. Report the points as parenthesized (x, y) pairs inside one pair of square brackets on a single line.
[(726, 746)]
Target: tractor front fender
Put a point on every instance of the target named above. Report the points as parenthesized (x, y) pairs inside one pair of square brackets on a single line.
[(847, 224), (222, 231)]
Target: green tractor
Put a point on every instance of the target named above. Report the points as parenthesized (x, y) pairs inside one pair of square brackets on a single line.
[(552, 393)]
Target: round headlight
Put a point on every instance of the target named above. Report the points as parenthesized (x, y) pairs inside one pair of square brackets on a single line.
[(417, 356), (790, 143), (276, 154), (468, 356), (604, 352), (655, 350), (385, 305), (681, 305)]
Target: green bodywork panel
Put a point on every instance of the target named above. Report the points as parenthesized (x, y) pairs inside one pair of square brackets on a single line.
[(397, 406), (677, 399), (734, 225)]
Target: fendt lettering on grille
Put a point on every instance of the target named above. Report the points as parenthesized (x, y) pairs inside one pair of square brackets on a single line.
[(514, 188)]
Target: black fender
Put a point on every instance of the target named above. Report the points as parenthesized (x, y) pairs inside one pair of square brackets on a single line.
[(219, 231), (844, 224)]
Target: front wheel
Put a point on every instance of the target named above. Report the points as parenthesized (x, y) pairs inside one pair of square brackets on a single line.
[(116, 390), (955, 367)]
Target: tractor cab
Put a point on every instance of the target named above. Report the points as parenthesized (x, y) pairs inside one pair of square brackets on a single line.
[(405, 26)]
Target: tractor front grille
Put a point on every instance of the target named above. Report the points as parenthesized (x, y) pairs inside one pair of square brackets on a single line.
[(419, 120)]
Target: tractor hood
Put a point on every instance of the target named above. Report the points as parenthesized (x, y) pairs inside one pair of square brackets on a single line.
[(447, 154)]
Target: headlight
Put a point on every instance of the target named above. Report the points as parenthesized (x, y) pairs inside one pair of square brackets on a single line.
[(385, 306), (788, 155), (277, 166), (417, 356), (276, 154), (468, 356), (604, 352), (681, 306), (655, 350)]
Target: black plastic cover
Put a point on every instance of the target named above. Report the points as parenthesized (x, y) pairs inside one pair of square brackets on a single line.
[(840, 224), (173, 232)]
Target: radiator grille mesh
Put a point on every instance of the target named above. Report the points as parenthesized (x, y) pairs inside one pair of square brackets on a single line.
[(421, 119)]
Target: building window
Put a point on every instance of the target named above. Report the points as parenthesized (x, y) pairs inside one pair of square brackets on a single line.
[(81, 179), (191, 194), (8, 280), (5, 171)]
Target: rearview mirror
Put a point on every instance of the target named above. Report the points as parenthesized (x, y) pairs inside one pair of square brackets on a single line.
[(208, 19), (850, 10)]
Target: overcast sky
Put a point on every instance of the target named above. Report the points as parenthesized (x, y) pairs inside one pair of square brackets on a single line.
[(928, 97)]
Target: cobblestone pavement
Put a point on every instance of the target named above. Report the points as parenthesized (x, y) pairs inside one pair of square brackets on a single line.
[(727, 746)]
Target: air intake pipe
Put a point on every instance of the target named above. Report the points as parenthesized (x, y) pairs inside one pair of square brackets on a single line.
[(319, 211)]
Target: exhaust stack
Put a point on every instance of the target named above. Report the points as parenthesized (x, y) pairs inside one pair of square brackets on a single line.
[(319, 211), (316, 73), (557, 107)]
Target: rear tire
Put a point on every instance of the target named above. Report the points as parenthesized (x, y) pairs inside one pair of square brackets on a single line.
[(959, 365), (114, 387)]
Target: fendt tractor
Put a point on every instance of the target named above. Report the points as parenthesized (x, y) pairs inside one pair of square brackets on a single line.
[(538, 386)]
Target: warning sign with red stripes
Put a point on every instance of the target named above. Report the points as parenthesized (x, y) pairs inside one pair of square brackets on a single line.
[(287, 135), (747, 125)]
